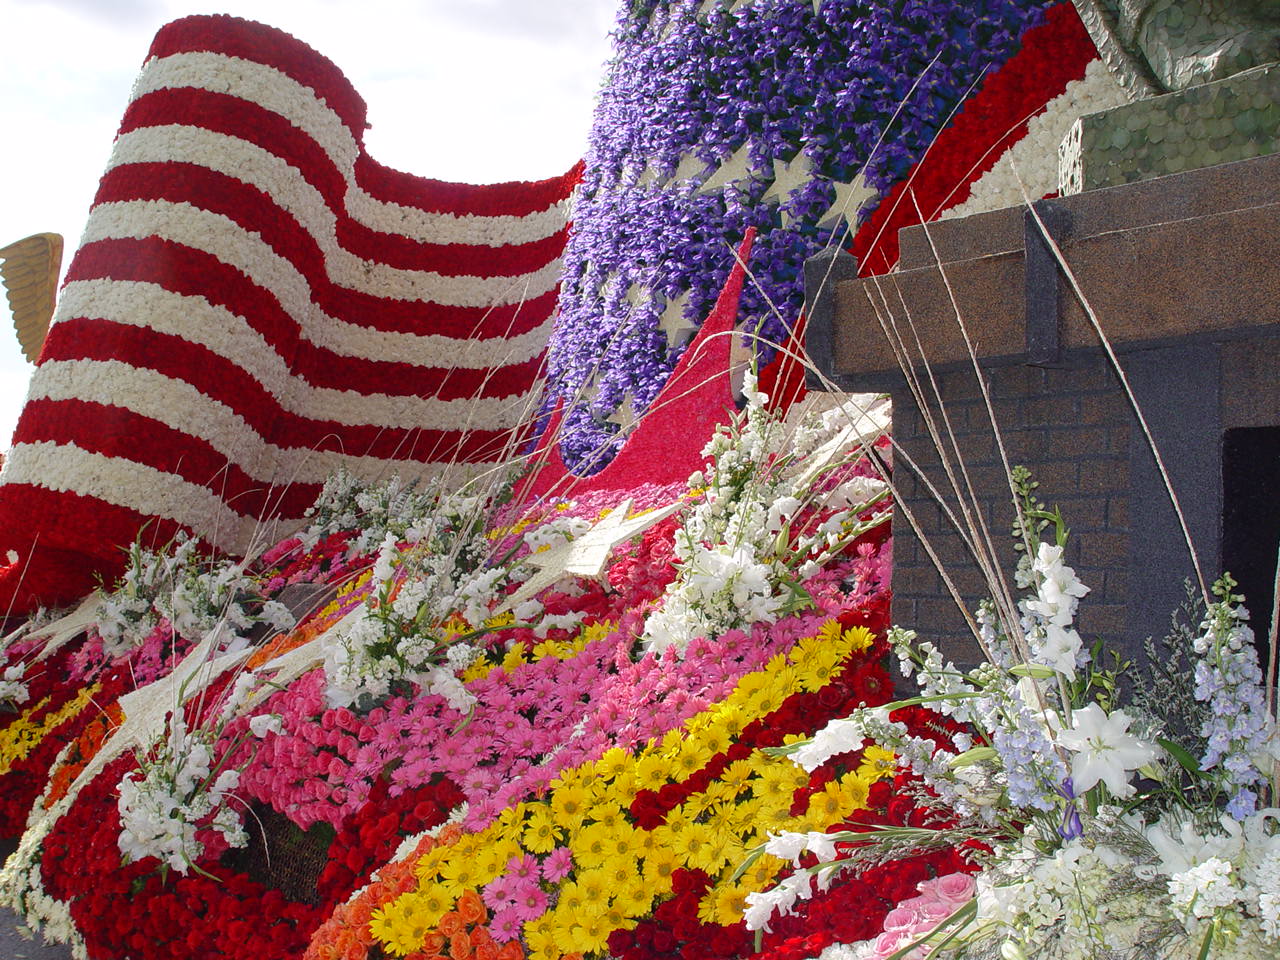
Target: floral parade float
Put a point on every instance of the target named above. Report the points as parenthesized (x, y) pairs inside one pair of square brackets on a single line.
[(601, 671)]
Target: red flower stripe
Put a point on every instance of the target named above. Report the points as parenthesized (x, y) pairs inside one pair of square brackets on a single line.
[(245, 120), (1053, 54), (246, 40), (147, 441), (257, 212), (257, 43), (225, 382)]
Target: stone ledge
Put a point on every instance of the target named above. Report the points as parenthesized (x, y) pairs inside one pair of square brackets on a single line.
[(1166, 239)]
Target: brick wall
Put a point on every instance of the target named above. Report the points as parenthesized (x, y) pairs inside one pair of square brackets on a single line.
[(1071, 427)]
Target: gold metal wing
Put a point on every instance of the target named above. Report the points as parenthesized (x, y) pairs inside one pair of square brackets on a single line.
[(29, 270)]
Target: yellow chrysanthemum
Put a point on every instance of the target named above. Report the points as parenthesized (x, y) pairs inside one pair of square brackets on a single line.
[(621, 872), (691, 758), (877, 763), (542, 939), (591, 846), (645, 841), (677, 822), (590, 935), (23, 735), (818, 667), (832, 803), (672, 741), (651, 772), (577, 777), (624, 788), (776, 787), (699, 804), (723, 905), (399, 926), (714, 739), (636, 900), (570, 903), (829, 632), (750, 685), (659, 864), (624, 842), (480, 668), (516, 657), (608, 815), (568, 806), (594, 887), (702, 848), (427, 869), (541, 832), (771, 817), (489, 862), (458, 874), (736, 774), (858, 639), (617, 918), (508, 826), (613, 763), (504, 848), (547, 648)]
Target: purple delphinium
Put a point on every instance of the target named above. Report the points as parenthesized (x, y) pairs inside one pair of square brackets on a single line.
[(1239, 729), (782, 78)]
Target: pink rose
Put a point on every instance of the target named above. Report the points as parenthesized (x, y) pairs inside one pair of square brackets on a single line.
[(889, 943), (901, 917), (933, 912), (955, 889)]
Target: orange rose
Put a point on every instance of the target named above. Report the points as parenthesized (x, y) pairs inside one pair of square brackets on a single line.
[(471, 908)]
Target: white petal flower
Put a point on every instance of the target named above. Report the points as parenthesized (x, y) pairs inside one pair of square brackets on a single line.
[(1105, 750)]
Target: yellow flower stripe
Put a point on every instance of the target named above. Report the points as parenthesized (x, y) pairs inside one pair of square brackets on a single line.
[(519, 655), (619, 869), (23, 735)]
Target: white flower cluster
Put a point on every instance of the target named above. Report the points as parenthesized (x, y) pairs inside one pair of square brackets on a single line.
[(433, 591), (194, 595), (1231, 872), (172, 796), (844, 735), (1128, 888), (1047, 617), (12, 690), (384, 643), (1034, 897), (739, 556), (412, 511), (781, 899)]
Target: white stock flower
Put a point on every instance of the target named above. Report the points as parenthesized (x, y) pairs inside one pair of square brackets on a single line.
[(1204, 889), (265, 723)]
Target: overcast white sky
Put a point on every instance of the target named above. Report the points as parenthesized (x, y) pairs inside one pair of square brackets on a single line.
[(479, 91)]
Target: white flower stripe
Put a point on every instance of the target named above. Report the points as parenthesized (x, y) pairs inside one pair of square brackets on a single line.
[(487, 231), (141, 390), (248, 163), (266, 86), (426, 350), (229, 335), (178, 406), (281, 94), (65, 468), (1035, 156), (226, 240)]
